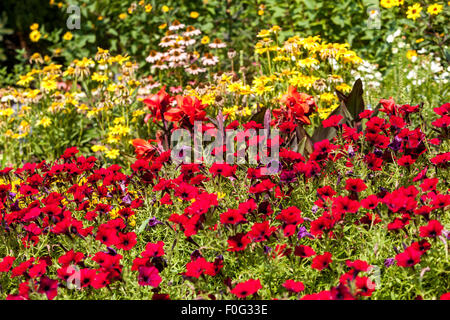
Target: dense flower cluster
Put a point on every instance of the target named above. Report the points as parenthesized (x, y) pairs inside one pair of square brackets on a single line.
[(363, 207)]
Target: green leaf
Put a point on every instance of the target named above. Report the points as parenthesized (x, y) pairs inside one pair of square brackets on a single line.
[(143, 225)]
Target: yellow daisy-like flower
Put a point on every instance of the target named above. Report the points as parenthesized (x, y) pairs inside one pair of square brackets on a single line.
[(414, 11), (435, 9), (68, 36), (34, 26), (112, 154), (6, 112), (35, 35), (194, 14), (328, 98), (275, 29), (162, 26), (99, 77), (264, 34), (148, 8), (123, 16), (98, 148), (165, 9), (45, 122), (344, 87), (25, 80), (388, 3)]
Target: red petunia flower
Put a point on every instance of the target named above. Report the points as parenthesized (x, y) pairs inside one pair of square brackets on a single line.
[(126, 241), (322, 261), (355, 185), (154, 250), (238, 242), (332, 121), (304, 251), (247, 288), (149, 276), (232, 216), (294, 286), (432, 230), (409, 258), (49, 287), (261, 231), (224, 169), (6, 263)]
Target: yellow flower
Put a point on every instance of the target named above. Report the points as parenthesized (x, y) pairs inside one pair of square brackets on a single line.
[(328, 97), (165, 9), (414, 11), (148, 8), (99, 77), (344, 87), (410, 54), (6, 112), (49, 83), (162, 26), (260, 12), (194, 14), (132, 221), (34, 26), (68, 36), (308, 62), (435, 8), (221, 195), (231, 112), (45, 122), (25, 80), (420, 40), (263, 33), (205, 40), (112, 154), (275, 29), (389, 3), (123, 16), (98, 148), (35, 35)]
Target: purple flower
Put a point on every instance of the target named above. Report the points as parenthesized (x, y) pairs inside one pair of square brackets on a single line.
[(389, 262), (351, 152), (153, 222), (126, 199), (111, 251), (396, 144), (302, 232)]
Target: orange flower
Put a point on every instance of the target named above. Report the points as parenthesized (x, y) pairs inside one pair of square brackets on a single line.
[(188, 110), (298, 106), (144, 150)]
